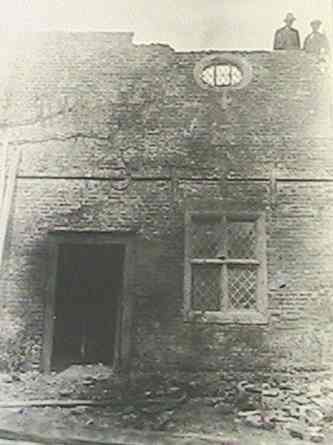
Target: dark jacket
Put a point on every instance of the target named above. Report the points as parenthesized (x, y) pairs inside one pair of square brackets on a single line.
[(287, 38)]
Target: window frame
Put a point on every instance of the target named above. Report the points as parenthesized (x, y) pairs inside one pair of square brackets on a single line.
[(228, 315), (223, 59), (216, 84)]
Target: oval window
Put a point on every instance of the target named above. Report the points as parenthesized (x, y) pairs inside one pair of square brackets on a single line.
[(222, 75), (222, 71)]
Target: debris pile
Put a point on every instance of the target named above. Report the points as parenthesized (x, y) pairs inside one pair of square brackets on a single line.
[(280, 405), (304, 410)]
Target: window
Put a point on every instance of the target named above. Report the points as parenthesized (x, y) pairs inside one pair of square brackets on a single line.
[(221, 75), (219, 72), (225, 268)]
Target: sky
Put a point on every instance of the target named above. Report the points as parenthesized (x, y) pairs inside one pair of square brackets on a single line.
[(183, 24)]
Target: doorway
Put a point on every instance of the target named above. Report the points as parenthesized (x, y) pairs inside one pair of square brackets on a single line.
[(89, 300), (88, 292)]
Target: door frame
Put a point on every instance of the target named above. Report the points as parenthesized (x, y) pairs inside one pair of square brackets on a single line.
[(122, 346)]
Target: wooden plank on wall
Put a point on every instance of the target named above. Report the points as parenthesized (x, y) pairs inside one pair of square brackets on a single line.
[(7, 202), (3, 167)]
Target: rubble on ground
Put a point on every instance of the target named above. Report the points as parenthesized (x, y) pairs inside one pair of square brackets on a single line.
[(284, 404), (304, 410)]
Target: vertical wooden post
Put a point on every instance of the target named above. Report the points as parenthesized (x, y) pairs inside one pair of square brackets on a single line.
[(3, 166), (7, 202)]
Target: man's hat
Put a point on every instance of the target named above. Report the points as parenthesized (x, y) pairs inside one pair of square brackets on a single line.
[(290, 17), (316, 22)]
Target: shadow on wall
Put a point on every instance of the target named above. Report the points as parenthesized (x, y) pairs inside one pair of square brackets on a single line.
[(15, 346)]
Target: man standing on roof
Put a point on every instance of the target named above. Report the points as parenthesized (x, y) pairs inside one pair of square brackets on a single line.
[(316, 42), (287, 37)]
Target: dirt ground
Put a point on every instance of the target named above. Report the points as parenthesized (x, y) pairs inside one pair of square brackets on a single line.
[(172, 404)]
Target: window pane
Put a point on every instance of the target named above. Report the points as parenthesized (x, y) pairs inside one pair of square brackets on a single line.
[(241, 239), (206, 236), (242, 286), (206, 292), (236, 75), (223, 75), (208, 75)]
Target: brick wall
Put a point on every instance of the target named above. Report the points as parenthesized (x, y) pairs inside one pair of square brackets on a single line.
[(136, 113)]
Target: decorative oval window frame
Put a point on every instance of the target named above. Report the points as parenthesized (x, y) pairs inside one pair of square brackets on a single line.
[(223, 59)]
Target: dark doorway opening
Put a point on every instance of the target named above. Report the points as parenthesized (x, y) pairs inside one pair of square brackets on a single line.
[(89, 287)]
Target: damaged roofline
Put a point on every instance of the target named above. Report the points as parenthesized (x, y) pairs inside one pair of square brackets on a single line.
[(126, 37)]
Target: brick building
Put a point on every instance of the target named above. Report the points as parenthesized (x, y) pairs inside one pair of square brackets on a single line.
[(170, 209)]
